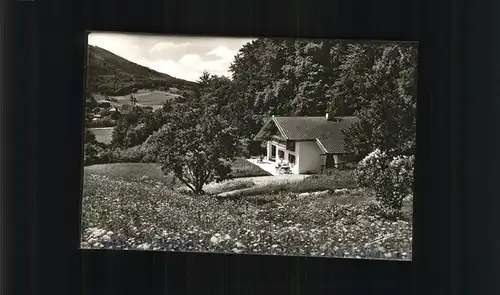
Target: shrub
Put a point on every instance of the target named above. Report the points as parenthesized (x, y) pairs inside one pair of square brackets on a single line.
[(89, 136), (391, 177), (95, 153)]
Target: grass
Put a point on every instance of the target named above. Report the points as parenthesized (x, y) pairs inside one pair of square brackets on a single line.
[(228, 186), (242, 168), (104, 135), (143, 172), (122, 214), (148, 98), (314, 183), (153, 172)]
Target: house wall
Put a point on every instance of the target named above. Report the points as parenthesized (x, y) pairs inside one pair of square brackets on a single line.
[(309, 157)]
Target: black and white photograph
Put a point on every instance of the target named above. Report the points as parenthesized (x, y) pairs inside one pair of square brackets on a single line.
[(270, 146)]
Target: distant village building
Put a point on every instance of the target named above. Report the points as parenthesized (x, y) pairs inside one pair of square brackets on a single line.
[(125, 108)]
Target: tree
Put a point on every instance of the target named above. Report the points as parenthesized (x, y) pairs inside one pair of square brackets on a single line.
[(196, 144), (132, 128), (89, 137), (204, 80), (354, 64), (381, 92), (133, 100), (286, 78)]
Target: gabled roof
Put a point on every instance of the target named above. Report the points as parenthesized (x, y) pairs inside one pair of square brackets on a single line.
[(327, 133)]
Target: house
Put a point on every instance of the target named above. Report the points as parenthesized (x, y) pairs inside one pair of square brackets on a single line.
[(125, 108), (309, 144)]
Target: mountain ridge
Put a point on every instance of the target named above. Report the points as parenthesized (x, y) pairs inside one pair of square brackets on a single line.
[(111, 74)]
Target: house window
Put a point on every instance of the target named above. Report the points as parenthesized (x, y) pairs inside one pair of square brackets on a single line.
[(290, 145), (281, 154), (291, 159)]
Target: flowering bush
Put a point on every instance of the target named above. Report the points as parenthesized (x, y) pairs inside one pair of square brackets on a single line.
[(119, 214), (390, 176)]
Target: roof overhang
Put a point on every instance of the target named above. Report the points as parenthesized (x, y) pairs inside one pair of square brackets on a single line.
[(265, 132), (321, 146)]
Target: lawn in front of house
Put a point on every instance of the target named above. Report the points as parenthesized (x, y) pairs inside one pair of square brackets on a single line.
[(153, 172)]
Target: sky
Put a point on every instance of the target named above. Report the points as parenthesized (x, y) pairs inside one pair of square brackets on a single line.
[(178, 56)]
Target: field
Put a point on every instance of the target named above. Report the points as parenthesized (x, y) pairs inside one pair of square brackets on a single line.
[(150, 172), (133, 206), (129, 172), (104, 135), (145, 98)]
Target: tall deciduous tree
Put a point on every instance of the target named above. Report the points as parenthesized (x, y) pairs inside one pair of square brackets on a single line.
[(196, 144), (385, 102)]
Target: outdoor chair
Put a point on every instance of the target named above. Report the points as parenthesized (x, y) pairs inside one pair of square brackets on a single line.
[(284, 168)]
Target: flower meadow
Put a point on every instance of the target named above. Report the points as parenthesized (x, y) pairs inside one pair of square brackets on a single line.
[(137, 215)]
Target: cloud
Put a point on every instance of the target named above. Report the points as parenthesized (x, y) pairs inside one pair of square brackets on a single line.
[(222, 52), (190, 60), (161, 46), (189, 67)]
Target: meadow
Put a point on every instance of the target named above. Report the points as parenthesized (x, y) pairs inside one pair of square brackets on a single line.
[(104, 134), (124, 210), (147, 98)]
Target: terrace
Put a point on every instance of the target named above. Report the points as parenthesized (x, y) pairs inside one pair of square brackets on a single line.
[(265, 165)]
